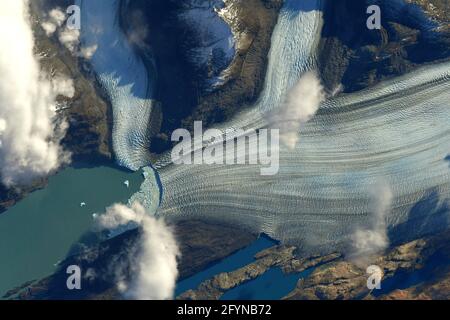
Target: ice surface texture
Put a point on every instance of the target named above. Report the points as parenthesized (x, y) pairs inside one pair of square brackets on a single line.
[(397, 132), (123, 76)]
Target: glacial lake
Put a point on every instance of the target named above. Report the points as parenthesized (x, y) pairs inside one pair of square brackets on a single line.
[(44, 228)]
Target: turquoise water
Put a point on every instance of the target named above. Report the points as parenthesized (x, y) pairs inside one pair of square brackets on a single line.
[(43, 228), (233, 262), (272, 285)]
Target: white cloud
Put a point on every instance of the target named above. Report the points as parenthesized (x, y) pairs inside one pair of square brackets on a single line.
[(63, 86), (56, 18), (29, 133), (301, 104), (155, 262), (70, 38), (88, 52), (48, 27), (373, 240)]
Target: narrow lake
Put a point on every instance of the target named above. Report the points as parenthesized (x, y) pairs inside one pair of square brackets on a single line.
[(44, 227), (272, 285), (233, 262)]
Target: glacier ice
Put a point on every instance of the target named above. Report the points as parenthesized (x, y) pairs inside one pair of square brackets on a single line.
[(150, 193), (323, 189), (398, 131), (124, 77)]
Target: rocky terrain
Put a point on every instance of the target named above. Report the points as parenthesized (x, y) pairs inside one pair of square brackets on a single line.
[(88, 135), (414, 270), (253, 22), (439, 10)]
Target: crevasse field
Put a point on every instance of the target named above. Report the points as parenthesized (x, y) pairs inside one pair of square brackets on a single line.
[(397, 132)]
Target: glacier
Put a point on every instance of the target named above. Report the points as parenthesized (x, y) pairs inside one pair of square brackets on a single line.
[(397, 132), (125, 79)]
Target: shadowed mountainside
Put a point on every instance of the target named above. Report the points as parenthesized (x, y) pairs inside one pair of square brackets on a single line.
[(158, 33), (355, 57)]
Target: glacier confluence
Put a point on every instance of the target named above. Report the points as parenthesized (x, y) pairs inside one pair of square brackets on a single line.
[(397, 132)]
